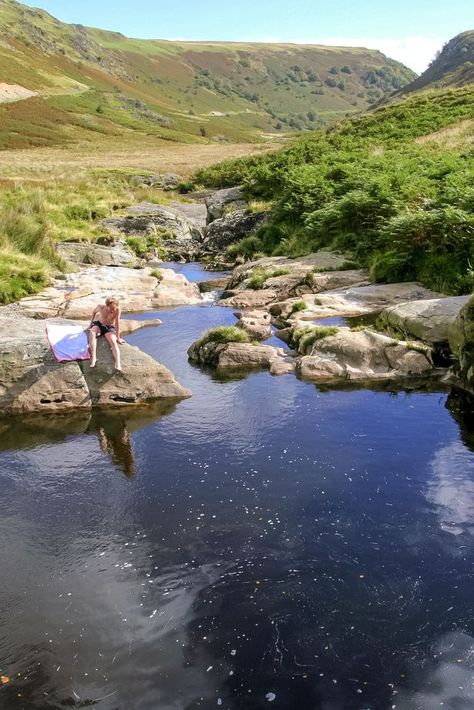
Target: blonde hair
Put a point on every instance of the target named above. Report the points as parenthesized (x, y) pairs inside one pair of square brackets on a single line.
[(111, 302)]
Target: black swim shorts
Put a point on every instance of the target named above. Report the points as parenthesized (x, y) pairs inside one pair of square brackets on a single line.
[(104, 328)]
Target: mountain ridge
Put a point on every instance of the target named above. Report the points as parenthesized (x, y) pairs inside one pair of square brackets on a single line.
[(101, 81)]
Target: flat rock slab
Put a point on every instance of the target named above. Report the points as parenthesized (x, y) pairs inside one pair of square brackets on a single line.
[(32, 381), (137, 289), (297, 268), (355, 301), (429, 320), (249, 299)]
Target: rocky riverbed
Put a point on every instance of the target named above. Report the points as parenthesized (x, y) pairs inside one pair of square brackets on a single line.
[(307, 302)]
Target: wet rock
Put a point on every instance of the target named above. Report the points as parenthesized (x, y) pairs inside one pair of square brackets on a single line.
[(32, 381), (228, 198), (428, 320), (241, 357), (137, 289), (461, 341), (364, 355), (212, 285), (255, 323), (223, 232), (118, 254)]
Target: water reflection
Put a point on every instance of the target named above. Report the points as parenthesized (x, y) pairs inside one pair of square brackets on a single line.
[(113, 429)]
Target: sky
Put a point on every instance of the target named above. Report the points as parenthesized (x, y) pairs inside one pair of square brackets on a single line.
[(410, 31)]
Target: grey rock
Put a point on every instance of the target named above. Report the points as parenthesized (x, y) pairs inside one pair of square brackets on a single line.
[(241, 357), (256, 323), (217, 202), (223, 232), (146, 218), (428, 320), (364, 355), (117, 254), (32, 381)]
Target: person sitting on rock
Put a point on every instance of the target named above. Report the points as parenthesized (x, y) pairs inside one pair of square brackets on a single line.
[(105, 321)]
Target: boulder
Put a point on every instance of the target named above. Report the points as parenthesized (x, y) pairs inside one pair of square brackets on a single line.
[(117, 254), (181, 234), (364, 355), (461, 341), (32, 381), (241, 357), (229, 198), (137, 289), (223, 232), (213, 284), (255, 323), (429, 320)]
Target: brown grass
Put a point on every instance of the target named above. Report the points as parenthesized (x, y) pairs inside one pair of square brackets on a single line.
[(451, 137), (137, 153)]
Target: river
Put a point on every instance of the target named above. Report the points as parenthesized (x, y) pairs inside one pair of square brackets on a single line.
[(264, 544)]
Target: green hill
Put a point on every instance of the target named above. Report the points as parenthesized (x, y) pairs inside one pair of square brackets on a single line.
[(395, 188), (454, 66), (90, 82)]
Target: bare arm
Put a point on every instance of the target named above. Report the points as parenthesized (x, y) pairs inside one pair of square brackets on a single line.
[(93, 318), (117, 325)]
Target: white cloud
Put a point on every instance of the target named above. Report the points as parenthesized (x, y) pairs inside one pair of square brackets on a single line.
[(414, 51)]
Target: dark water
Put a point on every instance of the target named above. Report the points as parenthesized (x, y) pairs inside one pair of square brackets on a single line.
[(262, 544)]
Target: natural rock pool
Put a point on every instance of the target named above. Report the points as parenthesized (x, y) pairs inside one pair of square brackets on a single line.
[(264, 544)]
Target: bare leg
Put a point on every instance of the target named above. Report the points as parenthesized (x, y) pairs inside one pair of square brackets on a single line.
[(93, 333), (112, 341)]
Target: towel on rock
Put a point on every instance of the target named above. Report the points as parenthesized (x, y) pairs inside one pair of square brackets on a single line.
[(68, 342)]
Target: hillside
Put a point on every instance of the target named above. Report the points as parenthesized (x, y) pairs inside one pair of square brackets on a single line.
[(454, 66), (90, 82), (395, 188)]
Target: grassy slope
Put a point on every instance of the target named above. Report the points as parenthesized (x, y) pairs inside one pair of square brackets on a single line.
[(454, 66), (93, 82), (395, 187)]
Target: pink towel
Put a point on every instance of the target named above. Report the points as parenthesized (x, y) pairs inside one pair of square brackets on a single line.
[(68, 342)]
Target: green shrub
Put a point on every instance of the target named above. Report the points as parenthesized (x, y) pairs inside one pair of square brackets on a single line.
[(258, 278), (157, 274), (303, 339), (224, 334), (246, 247), (297, 307), (184, 187)]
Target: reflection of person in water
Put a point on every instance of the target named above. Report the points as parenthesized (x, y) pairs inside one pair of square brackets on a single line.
[(115, 440)]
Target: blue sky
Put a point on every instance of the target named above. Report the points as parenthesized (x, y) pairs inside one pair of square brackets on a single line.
[(408, 30)]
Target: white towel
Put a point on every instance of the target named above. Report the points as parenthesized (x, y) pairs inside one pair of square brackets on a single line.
[(68, 342)]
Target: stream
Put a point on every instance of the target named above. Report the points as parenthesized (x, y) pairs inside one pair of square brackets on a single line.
[(264, 544)]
